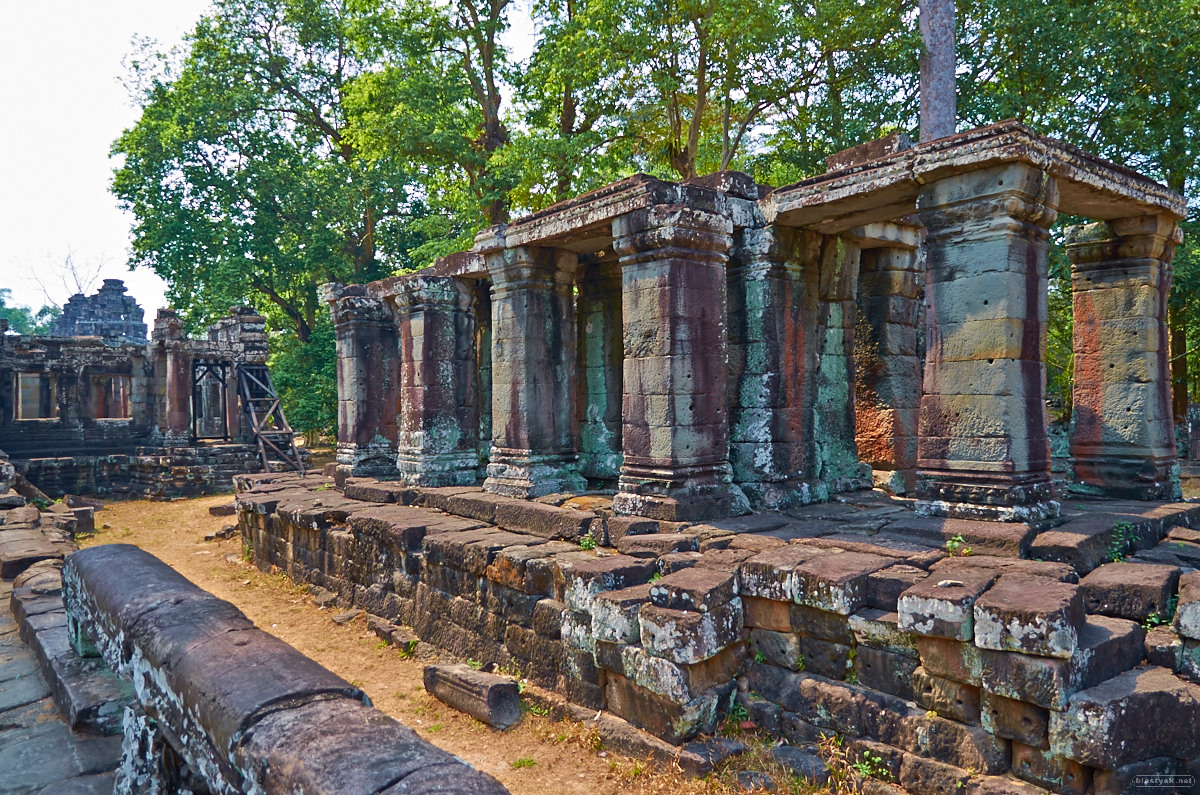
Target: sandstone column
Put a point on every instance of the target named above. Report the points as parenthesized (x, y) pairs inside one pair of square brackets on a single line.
[(533, 372), (1123, 436), (368, 380), (675, 435), (887, 361), (769, 353), (600, 350), (439, 408), (175, 415), (983, 450)]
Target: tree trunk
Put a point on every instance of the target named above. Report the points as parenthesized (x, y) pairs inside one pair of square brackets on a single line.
[(937, 69), (1177, 324)]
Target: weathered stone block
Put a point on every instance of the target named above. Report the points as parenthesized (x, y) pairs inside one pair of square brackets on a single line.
[(694, 589), (689, 637), (1127, 777), (1165, 648), (770, 574), (1129, 590), (946, 697), (1053, 772), (927, 777), (885, 586), (886, 671), (680, 683), (654, 546), (1107, 646), (1187, 613), (615, 614), (944, 607), (1033, 615), (781, 649), (586, 579), (677, 561), (837, 583), (576, 631), (767, 613), (675, 723), (1015, 720), (811, 621), (951, 659), (826, 658), (1107, 726), (877, 629)]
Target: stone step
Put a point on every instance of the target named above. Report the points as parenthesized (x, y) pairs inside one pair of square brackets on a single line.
[(89, 695)]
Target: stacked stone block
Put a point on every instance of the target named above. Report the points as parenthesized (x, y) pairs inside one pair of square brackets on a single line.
[(368, 380), (676, 431), (110, 313), (990, 671), (438, 400), (891, 285), (1123, 439), (983, 449)]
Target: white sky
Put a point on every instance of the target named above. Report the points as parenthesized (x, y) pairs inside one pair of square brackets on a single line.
[(60, 62), (64, 105)]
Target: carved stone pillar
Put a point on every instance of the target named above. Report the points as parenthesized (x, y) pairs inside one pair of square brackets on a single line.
[(533, 372), (769, 353), (983, 450), (368, 380), (675, 433), (174, 417), (600, 351), (437, 443), (1123, 434), (891, 283)]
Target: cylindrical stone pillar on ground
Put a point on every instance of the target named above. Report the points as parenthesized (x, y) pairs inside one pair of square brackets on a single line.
[(1123, 434), (891, 283), (437, 442), (600, 350), (533, 371), (368, 380), (983, 450), (675, 434)]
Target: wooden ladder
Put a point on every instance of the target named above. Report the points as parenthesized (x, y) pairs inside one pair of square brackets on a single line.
[(264, 414)]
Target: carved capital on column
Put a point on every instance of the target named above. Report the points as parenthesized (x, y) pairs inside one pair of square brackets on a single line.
[(1108, 252), (991, 198), (672, 230), (422, 293), (351, 304)]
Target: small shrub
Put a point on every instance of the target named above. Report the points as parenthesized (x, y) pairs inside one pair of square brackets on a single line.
[(589, 541), (476, 664)]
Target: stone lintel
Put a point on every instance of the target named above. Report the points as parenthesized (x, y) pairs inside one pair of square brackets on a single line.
[(887, 187)]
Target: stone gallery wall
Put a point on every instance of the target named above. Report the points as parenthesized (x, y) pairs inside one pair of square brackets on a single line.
[(714, 346), (109, 412), (983, 672)]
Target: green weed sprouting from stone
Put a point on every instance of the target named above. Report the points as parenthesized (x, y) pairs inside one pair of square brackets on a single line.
[(534, 708), (801, 664), (759, 657), (524, 761), (407, 650), (247, 552), (1156, 620), (476, 664), (589, 541), (738, 712), (956, 547), (656, 576), (870, 765), (382, 644), (851, 672), (1124, 535)]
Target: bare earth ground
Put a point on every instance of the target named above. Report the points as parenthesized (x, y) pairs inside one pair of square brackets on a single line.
[(536, 756)]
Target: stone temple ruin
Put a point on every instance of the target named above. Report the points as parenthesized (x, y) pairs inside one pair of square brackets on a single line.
[(96, 408), (712, 346), (627, 447)]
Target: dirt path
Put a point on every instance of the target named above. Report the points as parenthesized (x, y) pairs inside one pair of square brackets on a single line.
[(536, 756)]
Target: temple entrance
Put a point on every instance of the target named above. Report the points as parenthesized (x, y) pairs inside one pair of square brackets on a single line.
[(210, 417)]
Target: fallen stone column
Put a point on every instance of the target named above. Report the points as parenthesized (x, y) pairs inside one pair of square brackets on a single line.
[(495, 700), (675, 422), (237, 708), (983, 449), (533, 370), (368, 380), (1123, 432), (891, 284), (439, 398)]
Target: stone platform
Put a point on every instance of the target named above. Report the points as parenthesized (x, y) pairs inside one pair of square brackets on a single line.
[(969, 655)]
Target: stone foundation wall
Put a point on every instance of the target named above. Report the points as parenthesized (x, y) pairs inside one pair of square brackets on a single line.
[(152, 473), (976, 673)]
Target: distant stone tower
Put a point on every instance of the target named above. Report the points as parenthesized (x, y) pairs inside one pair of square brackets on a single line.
[(109, 313)]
